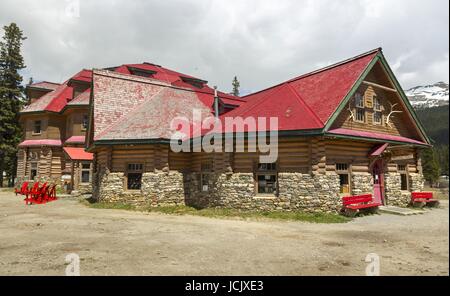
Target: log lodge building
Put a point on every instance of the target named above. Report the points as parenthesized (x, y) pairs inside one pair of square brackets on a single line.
[(346, 129)]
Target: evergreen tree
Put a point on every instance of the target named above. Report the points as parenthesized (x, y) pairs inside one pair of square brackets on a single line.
[(430, 166), (236, 86), (11, 99)]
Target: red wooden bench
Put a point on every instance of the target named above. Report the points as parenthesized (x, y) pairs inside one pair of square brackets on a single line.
[(354, 204), (23, 190), (420, 199)]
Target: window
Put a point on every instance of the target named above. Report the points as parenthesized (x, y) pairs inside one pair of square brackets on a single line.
[(37, 127), (85, 172), (376, 103), (85, 122), (33, 170), (344, 177), (206, 168), (134, 176), (377, 117), (359, 100), (403, 170), (266, 178), (360, 111)]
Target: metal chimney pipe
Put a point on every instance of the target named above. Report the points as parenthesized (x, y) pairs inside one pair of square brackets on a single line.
[(216, 103)]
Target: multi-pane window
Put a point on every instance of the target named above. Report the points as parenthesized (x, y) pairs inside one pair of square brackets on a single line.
[(377, 115), (85, 122), (33, 170), (344, 177), (403, 170), (206, 169), (266, 178), (85, 172), (360, 111), (37, 126), (134, 176), (376, 103)]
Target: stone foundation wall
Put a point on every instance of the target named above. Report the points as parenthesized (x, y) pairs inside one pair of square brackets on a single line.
[(362, 183), (310, 193), (393, 193), (158, 188), (416, 182)]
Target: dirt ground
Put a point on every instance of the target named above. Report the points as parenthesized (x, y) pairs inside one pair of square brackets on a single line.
[(34, 240)]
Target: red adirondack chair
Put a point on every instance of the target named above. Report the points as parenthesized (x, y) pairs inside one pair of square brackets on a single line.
[(51, 193), (36, 194), (29, 193), (23, 190)]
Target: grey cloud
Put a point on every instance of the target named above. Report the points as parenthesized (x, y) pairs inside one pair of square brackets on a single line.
[(263, 42)]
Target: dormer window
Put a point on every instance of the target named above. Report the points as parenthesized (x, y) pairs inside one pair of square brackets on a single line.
[(37, 127), (141, 72), (198, 83)]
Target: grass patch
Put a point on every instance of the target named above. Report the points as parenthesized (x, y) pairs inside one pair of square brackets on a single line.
[(439, 193), (227, 213), (104, 205)]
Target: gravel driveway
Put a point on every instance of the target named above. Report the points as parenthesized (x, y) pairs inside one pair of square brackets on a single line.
[(34, 240)]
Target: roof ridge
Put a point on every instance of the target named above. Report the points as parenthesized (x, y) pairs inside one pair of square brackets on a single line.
[(340, 63), (299, 97), (260, 100)]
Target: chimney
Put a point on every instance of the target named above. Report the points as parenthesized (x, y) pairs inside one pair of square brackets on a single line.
[(216, 103)]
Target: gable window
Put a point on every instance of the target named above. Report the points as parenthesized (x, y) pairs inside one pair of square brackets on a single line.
[(37, 127), (266, 179), (206, 168), (134, 176), (85, 122), (403, 170), (377, 115), (360, 111), (344, 177), (33, 170), (85, 172)]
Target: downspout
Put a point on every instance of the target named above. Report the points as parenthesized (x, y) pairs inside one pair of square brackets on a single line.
[(216, 103)]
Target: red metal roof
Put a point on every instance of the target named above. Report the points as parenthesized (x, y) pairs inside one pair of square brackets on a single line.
[(308, 101), (384, 137), (75, 140), (75, 153), (45, 142), (378, 150), (56, 100), (44, 85)]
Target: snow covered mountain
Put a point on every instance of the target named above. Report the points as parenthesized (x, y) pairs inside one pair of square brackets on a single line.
[(429, 95)]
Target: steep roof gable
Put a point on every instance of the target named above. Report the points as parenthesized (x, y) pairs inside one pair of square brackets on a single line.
[(310, 99)]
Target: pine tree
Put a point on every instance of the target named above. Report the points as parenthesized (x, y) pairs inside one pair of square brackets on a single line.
[(236, 86), (11, 99), (430, 166)]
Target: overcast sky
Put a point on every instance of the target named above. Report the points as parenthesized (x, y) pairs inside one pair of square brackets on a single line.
[(262, 42)]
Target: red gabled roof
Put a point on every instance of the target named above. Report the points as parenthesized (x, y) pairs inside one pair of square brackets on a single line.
[(56, 100), (308, 101)]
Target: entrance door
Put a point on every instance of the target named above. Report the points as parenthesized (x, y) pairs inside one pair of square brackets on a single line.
[(378, 182)]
